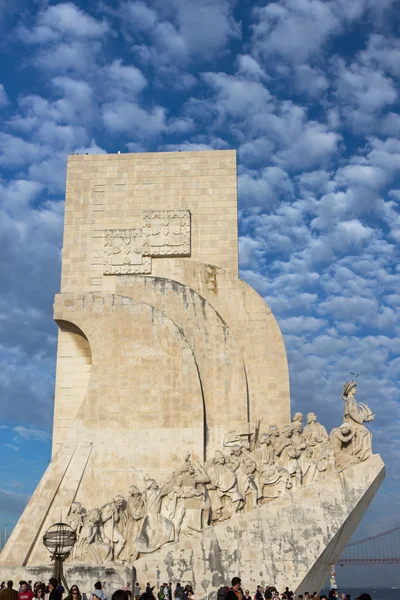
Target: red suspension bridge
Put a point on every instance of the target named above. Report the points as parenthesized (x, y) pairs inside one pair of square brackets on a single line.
[(380, 549)]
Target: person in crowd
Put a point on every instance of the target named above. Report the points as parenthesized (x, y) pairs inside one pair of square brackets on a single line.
[(246, 595), (120, 595), (136, 591), (149, 590), (235, 591), (258, 595), (98, 592), (147, 596), (74, 593), (25, 593), (166, 592), (179, 593), (364, 596), (55, 593), (160, 594), (9, 593)]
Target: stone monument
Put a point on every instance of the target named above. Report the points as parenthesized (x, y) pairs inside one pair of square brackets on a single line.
[(174, 454)]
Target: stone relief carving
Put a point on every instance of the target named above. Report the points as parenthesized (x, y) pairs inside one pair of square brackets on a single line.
[(166, 233), (130, 251), (123, 252), (253, 469)]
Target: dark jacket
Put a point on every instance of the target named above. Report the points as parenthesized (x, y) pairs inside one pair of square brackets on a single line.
[(9, 594)]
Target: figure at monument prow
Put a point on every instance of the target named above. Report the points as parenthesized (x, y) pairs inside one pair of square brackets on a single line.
[(356, 414)]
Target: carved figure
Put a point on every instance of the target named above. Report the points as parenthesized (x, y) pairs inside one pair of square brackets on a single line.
[(75, 521), (223, 486), (341, 442), (112, 516), (314, 433), (90, 547), (245, 467), (298, 417), (356, 415), (273, 433), (135, 511), (298, 440), (285, 441), (156, 529), (189, 505), (275, 481), (265, 455), (293, 465)]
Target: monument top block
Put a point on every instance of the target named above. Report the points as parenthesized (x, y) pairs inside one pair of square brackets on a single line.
[(159, 200)]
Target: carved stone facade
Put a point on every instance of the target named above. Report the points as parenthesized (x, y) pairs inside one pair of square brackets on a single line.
[(123, 253), (129, 251), (257, 469), (166, 233)]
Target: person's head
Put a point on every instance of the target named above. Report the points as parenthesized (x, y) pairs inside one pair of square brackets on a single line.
[(273, 430), (10, 584), (345, 430), (236, 450), (97, 585), (323, 597), (75, 593), (300, 597), (247, 592), (120, 595), (119, 501), (53, 583), (24, 586), (236, 583), (39, 592), (349, 389), (137, 584), (364, 596), (348, 597)]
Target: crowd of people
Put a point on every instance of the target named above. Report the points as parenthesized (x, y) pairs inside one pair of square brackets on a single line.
[(54, 590)]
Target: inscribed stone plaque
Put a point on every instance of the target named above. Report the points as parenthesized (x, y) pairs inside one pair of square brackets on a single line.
[(166, 233), (123, 252)]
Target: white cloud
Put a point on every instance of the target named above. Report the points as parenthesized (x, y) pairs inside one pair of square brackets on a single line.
[(64, 19), (119, 117), (3, 96), (31, 434), (294, 30)]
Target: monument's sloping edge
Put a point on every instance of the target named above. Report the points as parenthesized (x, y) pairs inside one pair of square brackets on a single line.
[(25, 536)]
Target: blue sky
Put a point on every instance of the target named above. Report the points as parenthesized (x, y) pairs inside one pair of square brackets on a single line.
[(307, 92)]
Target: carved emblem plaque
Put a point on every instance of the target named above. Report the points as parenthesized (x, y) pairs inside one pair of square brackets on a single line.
[(123, 253), (166, 233)]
